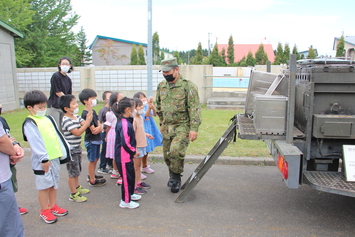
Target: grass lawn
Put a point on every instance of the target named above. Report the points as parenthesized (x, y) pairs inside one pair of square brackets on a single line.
[(214, 124)]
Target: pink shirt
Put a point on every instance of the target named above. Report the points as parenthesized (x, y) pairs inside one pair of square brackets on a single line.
[(138, 127)]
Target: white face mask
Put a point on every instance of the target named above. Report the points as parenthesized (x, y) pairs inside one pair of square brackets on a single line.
[(93, 103), (65, 68), (76, 111), (40, 113), (141, 111), (145, 102)]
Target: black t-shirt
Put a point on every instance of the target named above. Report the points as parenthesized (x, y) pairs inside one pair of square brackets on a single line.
[(88, 134), (59, 83)]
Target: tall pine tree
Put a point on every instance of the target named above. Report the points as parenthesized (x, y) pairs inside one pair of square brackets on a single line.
[(230, 50), (141, 58), (134, 55), (340, 47), (279, 55), (260, 55)]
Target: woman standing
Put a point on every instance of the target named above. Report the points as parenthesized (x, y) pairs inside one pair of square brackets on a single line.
[(61, 85)]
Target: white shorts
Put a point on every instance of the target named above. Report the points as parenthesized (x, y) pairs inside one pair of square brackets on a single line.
[(49, 179)]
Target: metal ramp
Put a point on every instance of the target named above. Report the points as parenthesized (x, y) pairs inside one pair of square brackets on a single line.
[(228, 136), (331, 182)]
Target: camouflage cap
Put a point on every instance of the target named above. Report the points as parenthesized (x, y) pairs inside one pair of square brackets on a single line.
[(168, 64)]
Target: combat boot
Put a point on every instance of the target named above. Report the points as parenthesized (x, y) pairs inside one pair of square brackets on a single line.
[(177, 183), (171, 181)]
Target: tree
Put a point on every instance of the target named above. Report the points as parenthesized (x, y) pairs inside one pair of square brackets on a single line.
[(84, 56), (311, 53), (49, 36), (215, 58), (340, 47), (250, 60), (134, 55), (295, 51), (260, 56), (224, 56), (162, 55), (197, 59), (279, 54), (156, 48), (230, 50), (242, 62), (286, 53), (177, 56), (18, 14), (141, 58), (109, 52)]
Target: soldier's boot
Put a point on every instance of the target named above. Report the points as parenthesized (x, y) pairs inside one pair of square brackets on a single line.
[(171, 181), (177, 183)]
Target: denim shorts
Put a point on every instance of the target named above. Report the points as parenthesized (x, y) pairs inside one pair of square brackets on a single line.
[(93, 151), (142, 151)]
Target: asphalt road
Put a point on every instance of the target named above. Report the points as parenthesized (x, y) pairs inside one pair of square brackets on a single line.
[(230, 200)]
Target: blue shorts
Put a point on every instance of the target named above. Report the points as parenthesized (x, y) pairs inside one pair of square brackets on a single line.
[(93, 151), (142, 151)]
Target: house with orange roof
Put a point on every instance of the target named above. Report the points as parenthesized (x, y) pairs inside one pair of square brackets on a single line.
[(242, 50)]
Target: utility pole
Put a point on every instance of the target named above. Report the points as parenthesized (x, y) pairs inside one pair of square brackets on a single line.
[(209, 44), (150, 52)]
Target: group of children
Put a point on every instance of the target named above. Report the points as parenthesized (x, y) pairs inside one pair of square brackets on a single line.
[(124, 128)]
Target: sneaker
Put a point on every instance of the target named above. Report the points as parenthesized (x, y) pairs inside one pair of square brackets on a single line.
[(135, 197), (119, 181), (103, 171), (147, 170), (143, 185), (130, 205), (98, 182), (77, 197), (47, 216), (57, 211), (82, 190), (143, 177), (115, 176), (109, 167), (140, 191), (96, 177), (22, 210)]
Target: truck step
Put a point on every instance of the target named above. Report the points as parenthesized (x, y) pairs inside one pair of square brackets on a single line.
[(331, 182)]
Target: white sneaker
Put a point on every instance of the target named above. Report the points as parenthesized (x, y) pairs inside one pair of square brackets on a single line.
[(148, 170), (135, 197), (143, 176), (130, 205)]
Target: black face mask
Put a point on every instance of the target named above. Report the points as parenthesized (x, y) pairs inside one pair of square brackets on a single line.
[(169, 78)]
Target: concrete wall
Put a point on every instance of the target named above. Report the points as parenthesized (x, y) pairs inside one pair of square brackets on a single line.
[(126, 79), (8, 88)]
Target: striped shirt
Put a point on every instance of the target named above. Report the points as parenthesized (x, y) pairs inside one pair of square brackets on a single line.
[(69, 124)]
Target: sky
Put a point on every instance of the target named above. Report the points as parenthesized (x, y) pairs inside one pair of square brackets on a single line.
[(182, 24)]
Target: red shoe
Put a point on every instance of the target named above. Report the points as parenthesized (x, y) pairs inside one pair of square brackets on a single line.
[(47, 216), (57, 211), (22, 210)]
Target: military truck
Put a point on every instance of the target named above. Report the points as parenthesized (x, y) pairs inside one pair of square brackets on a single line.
[(306, 116)]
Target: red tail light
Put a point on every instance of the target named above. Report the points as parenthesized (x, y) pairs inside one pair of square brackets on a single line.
[(284, 170)]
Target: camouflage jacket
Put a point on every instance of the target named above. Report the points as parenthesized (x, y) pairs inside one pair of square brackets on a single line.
[(179, 104)]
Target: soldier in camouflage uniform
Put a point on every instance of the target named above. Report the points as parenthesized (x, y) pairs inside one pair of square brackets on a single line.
[(179, 111)]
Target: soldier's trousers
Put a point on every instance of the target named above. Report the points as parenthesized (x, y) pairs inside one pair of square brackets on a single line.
[(175, 143)]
